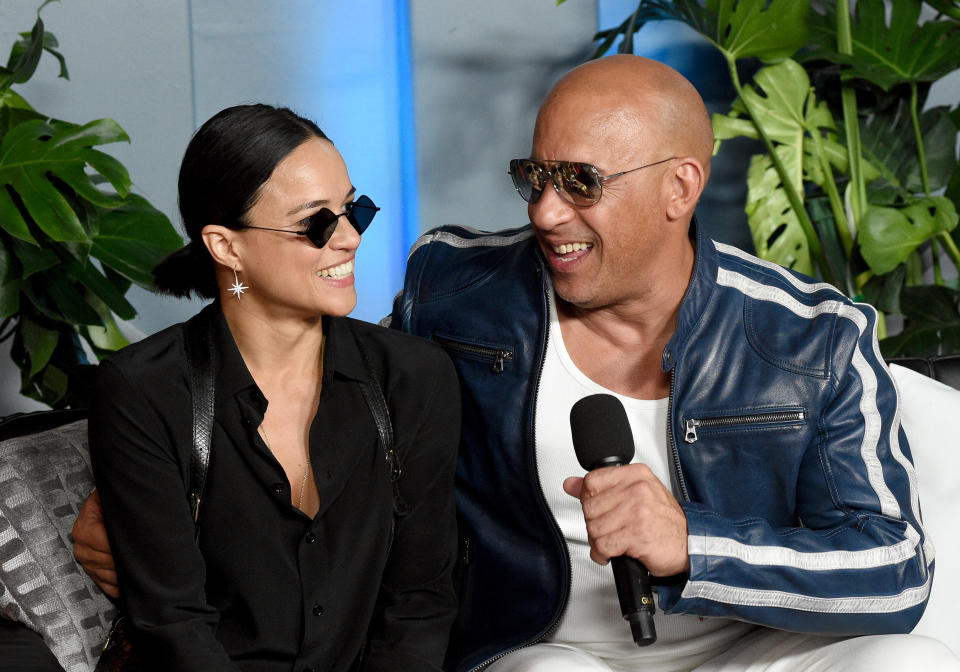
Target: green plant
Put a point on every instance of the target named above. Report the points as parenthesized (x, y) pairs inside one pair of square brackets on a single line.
[(856, 184), (62, 205)]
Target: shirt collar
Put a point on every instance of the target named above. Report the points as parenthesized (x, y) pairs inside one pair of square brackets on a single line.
[(341, 357)]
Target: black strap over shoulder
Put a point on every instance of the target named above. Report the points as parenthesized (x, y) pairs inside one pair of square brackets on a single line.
[(373, 395), (202, 353)]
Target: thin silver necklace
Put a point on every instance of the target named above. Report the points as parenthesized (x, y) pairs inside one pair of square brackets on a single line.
[(306, 468)]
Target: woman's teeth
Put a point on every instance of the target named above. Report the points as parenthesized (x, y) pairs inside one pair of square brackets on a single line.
[(572, 247), (337, 272)]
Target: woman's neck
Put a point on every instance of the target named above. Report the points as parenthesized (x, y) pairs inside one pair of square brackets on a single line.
[(276, 347)]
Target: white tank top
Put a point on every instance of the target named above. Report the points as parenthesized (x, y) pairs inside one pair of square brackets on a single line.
[(592, 619)]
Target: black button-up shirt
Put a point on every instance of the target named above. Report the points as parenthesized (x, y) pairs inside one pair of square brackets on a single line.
[(266, 588)]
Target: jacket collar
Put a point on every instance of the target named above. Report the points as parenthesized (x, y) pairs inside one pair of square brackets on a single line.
[(695, 299)]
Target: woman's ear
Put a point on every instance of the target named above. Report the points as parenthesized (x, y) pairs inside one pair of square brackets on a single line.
[(222, 242), (686, 184)]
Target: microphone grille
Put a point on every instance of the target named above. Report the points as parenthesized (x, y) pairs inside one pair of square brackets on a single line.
[(600, 431)]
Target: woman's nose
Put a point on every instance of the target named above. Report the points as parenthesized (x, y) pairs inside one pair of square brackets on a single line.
[(344, 237)]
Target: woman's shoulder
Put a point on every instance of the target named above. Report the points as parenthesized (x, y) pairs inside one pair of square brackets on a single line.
[(403, 359), (153, 358)]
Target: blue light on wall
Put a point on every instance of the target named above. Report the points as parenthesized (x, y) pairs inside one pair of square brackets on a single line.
[(345, 65)]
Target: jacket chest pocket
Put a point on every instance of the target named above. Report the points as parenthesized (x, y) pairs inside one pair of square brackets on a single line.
[(745, 421), (497, 356)]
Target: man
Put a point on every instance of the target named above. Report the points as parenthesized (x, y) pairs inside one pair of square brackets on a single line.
[(773, 485)]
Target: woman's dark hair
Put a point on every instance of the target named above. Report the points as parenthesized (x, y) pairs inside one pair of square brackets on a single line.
[(226, 163)]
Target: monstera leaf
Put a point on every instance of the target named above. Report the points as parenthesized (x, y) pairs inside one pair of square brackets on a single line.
[(764, 29), (72, 237), (903, 52), (35, 152), (889, 235), (777, 233)]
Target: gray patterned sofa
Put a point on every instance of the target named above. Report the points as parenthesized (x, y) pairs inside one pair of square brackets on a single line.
[(45, 477)]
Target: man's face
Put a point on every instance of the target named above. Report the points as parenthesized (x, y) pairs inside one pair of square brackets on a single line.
[(603, 255)]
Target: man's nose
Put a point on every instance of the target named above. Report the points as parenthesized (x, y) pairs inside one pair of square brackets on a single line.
[(550, 210)]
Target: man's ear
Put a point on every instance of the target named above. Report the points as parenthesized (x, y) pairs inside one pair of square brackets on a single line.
[(686, 183), (222, 242)]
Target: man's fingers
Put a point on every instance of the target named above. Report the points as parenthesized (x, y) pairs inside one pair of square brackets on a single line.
[(573, 486), (106, 580)]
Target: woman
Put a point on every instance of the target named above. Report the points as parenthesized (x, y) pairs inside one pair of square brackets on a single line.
[(300, 562)]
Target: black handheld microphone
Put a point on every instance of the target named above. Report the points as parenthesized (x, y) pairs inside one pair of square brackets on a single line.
[(602, 438)]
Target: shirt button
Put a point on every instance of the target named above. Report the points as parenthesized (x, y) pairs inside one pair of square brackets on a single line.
[(311, 538), (279, 489), (317, 610)]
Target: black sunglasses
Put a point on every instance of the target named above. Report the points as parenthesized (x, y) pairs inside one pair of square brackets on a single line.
[(322, 223), (577, 183)]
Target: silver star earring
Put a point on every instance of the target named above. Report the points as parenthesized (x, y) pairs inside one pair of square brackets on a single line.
[(238, 287)]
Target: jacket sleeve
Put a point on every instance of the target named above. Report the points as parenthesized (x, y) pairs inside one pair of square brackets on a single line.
[(416, 604), (858, 562), (151, 531)]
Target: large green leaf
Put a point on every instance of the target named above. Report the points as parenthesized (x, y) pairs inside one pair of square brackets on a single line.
[(777, 233), (765, 29), (887, 55), (887, 236), (34, 149), (9, 284), (90, 277), (932, 323), (33, 259), (11, 220), (40, 343), (949, 8), (133, 238), (889, 143)]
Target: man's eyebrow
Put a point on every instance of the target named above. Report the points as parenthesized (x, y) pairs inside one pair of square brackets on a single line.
[(318, 204)]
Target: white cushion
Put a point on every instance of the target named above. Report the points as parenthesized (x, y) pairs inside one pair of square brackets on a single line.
[(931, 420)]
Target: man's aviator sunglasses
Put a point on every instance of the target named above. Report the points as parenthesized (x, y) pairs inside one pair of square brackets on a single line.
[(577, 183), (322, 223)]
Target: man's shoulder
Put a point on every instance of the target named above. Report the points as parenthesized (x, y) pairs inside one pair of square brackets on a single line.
[(762, 279), (463, 244)]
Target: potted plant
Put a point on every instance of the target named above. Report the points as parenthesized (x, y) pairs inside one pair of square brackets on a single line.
[(73, 237), (857, 184)]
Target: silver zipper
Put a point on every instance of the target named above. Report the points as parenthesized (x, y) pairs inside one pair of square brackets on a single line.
[(681, 484), (498, 355), (691, 424)]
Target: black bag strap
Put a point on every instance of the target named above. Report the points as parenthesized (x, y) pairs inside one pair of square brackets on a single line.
[(373, 395), (202, 353)]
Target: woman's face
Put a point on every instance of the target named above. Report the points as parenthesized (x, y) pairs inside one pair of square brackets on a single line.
[(289, 273)]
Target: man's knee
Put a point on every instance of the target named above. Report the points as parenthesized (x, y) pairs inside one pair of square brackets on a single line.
[(900, 652)]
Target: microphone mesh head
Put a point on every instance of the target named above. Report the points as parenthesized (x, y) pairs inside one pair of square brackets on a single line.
[(601, 431)]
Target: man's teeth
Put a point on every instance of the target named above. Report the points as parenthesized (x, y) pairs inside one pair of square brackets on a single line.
[(572, 247), (337, 272)]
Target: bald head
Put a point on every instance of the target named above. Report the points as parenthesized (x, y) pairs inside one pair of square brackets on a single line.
[(640, 108)]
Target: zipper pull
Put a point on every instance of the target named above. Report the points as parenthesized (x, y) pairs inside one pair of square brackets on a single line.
[(499, 359), (691, 434)]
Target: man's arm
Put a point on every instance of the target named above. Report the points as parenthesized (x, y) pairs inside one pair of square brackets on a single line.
[(91, 547)]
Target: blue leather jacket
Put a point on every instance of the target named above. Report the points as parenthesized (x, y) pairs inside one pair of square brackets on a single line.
[(784, 426)]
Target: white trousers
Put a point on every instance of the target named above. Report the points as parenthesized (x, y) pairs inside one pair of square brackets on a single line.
[(762, 650)]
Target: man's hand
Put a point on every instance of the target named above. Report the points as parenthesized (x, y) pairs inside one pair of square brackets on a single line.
[(91, 547), (629, 512)]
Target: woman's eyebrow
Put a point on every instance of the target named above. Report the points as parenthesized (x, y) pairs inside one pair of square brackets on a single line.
[(316, 204)]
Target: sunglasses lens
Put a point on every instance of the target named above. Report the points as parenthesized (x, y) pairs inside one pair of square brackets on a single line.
[(578, 182), (321, 226), (361, 212), (527, 180)]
